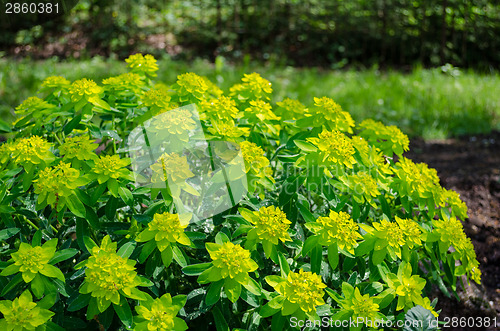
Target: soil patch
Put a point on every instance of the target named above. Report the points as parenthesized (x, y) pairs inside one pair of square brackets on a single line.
[(471, 166)]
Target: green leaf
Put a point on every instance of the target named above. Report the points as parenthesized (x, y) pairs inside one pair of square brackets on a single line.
[(80, 301), (92, 218), (48, 301), (4, 126), (7, 233), (147, 249), (305, 146), (27, 180), (167, 255), (12, 284), (284, 266), (50, 271), (304, 211), (267, 310), (98, 102), (220, 322), (72, 124), (37, 239), (385, 206), (253, 287), (379, 256), (232, 289), (76, 206), (10, 270), (213, 293), (316, 258), (195, 269), (63, 255), (309, 244), (89, 243), (37, 286), (124, 312), (366, 246), (113, 186), (420, 319), (221, 238), (179, 257), (273, 280), (126, 195), (110, 208), (127, 249), (98, 192), (333, 256)]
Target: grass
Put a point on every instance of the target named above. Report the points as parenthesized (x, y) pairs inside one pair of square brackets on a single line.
[(431, 103)]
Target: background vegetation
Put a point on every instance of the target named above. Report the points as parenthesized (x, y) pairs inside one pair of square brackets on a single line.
[(432, 103), (306, 32)]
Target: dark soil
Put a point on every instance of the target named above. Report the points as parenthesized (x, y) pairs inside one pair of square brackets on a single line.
[(471, 166)]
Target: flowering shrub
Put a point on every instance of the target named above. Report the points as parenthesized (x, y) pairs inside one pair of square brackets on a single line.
[(335, 223)]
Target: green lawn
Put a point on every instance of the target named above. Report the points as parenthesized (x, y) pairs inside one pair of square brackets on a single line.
[(427, 102)]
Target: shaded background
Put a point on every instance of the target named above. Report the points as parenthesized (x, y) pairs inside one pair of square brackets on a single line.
[(330, 33)]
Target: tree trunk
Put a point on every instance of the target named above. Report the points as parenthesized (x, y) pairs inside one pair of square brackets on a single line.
[(443, 32)]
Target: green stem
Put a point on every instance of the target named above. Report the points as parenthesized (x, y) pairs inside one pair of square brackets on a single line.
[(31, 223)]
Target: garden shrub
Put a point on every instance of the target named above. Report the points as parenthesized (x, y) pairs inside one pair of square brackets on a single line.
[(335, 224)]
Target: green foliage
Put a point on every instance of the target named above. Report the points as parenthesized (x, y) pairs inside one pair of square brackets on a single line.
[(332, 226)]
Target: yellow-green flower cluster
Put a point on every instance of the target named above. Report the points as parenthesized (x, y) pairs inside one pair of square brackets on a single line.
[(231, 261), (261, 110), (56, 182), (142, 64), (160, 314), (110, 166), (31, 261), (390, 139), (391, 234), (417, 181), (451, 199), (177, 122), (328, 112), (363, 187), (23, 314), (190, 87), (213, 89), (338, 228), (33, 105), (335, 147), (165, 229), (302, 290), (359, 306), (406, 286), (174, 166), (253, 87), (125, 82), (55, 82), (222, 108), (108, 276), (84, 89), (451, 233), (31, 151), (6, 150), (80, 147), (158, 99), (291, 109), (412, 231), (271, 225), (255, 161), (228, 130)]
